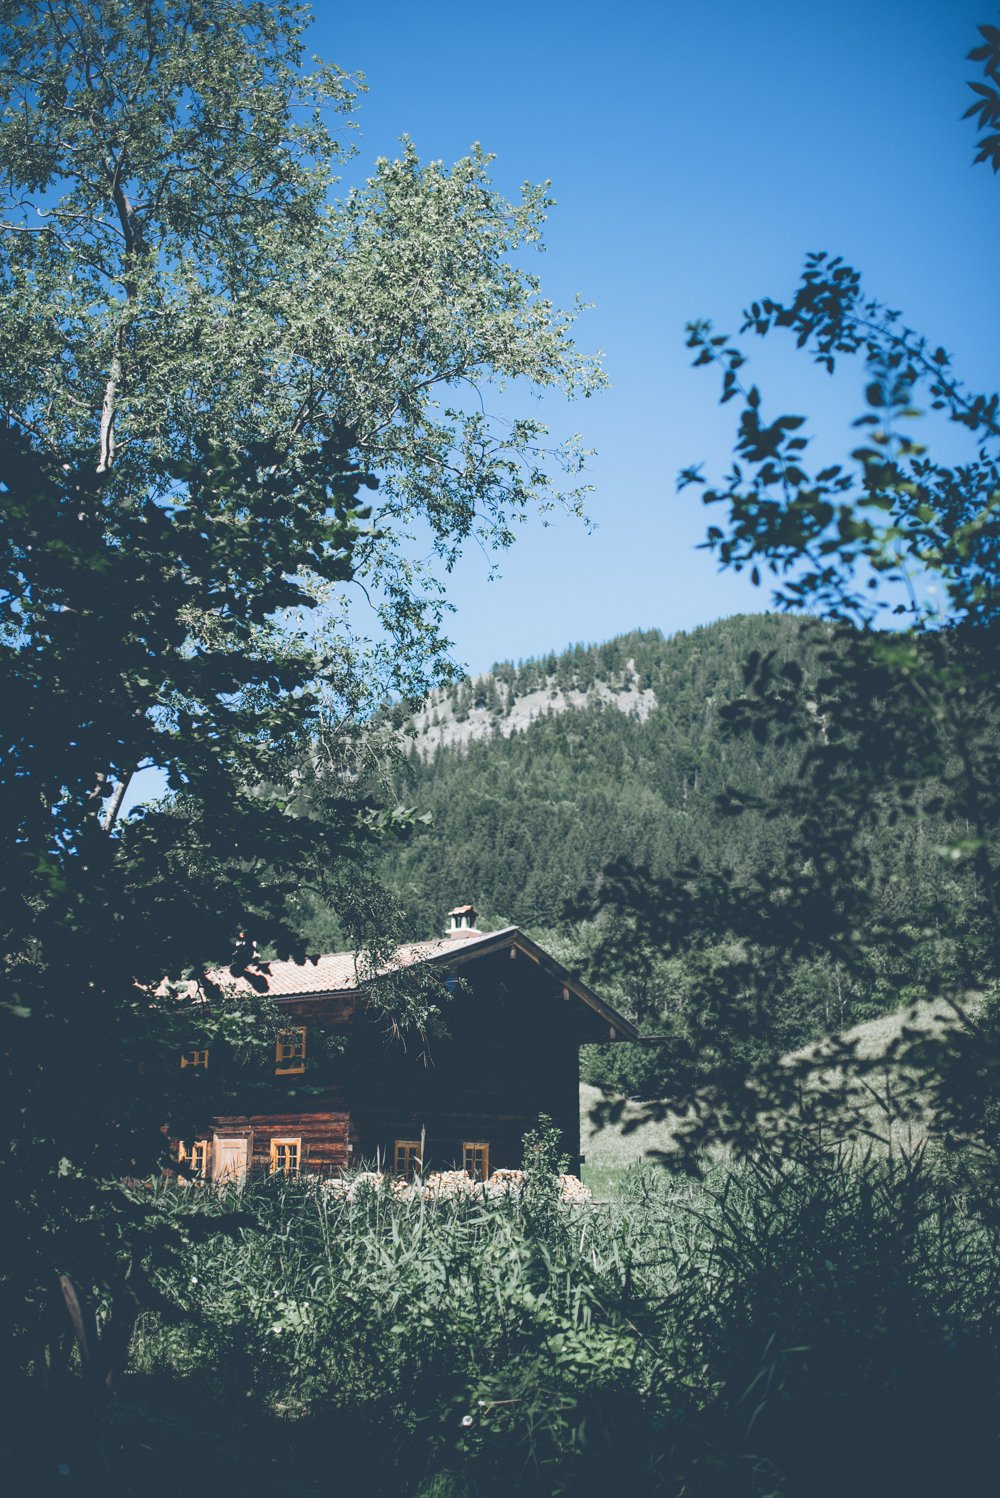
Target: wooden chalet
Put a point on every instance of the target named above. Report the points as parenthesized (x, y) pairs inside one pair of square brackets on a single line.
[(515, 1021)]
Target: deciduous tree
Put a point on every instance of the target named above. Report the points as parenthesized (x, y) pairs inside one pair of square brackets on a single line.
[(226, 398), (899, 551)]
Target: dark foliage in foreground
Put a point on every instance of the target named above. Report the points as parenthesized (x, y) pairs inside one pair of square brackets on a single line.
[(194, 395), (800, 1326)]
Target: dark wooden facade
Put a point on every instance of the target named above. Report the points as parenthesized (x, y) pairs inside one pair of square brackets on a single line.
[(515, 1022)]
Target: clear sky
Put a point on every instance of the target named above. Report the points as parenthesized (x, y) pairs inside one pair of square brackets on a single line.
[(697, 151)]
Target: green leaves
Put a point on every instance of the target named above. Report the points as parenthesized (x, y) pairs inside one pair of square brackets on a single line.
[(985, 108), (816, 531), (183, 284), (225, 403)]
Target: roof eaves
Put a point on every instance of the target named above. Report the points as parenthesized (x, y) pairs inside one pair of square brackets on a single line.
[(513, 936), (624, 1029), (455, 953)]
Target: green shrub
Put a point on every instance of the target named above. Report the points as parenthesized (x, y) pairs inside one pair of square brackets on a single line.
[(812, 1326)]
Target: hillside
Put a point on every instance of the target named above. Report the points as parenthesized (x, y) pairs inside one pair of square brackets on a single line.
[(636, 1139), (540, 775), (508, 700)]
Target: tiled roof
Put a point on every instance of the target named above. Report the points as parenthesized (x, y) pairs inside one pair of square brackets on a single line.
[(347, 972), (341, 972)]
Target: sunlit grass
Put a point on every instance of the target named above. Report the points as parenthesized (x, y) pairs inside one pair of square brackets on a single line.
[(633, 1141)]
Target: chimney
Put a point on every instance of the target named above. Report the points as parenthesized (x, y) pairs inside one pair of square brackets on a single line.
[(462, 922)]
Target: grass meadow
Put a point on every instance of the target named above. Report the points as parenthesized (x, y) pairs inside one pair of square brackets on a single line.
[(610, 1151)]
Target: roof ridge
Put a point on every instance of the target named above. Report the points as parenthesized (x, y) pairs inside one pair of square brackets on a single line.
[(446, 941)]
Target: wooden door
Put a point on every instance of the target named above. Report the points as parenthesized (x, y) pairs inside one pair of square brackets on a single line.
[(232, 1157)]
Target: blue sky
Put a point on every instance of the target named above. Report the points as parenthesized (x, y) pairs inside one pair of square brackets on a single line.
[(696, 152)]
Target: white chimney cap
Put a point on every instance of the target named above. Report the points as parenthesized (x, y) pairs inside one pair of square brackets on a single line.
[(462, 920)]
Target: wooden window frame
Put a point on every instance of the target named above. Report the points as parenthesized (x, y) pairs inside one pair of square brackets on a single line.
[(412, 1162), (196, 1158), (293, 1064), (195, 1056), (285, 1142), (470, 1147)]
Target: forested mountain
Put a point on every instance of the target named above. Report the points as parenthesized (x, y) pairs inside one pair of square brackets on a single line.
[(522, 820), (539, 776)]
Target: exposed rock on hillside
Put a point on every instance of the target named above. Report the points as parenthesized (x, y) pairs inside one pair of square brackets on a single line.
[(446, 720)]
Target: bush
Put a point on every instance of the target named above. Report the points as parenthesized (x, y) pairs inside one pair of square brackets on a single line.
[(808, 1326)]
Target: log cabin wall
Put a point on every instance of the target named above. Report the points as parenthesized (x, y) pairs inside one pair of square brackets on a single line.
[(323, 1135), (310, 1108), (510, 1054)]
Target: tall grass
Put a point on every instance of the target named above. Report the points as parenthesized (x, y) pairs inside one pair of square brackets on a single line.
[(820, 1326), (414, 1329)]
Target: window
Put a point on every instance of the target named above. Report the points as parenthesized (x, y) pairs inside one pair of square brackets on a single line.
[(285, 1155), (290, 1051), (408, 1161), (194, 1058), (476, 1160), (195, 1158)]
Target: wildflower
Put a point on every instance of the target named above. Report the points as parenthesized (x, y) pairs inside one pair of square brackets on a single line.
[(466, 1421)]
